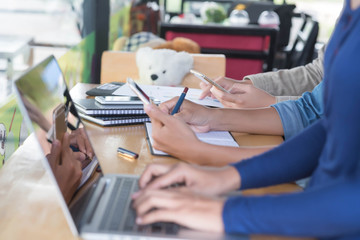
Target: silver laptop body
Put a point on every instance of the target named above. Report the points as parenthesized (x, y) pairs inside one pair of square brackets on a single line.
[(104, 211)]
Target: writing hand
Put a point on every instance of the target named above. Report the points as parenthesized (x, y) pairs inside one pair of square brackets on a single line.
[(68, 173), (195, 115), (80, 140), (171, 134)]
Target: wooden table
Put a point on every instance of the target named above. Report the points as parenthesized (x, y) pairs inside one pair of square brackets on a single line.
[(29, 206)]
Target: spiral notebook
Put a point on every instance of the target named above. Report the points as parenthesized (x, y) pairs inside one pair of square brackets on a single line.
[(117, 120), (93, 108)]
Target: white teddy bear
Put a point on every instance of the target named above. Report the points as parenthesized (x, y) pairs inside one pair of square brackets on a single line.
[(163, 67)]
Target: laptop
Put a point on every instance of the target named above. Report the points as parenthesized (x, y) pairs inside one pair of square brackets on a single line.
[(103, 209)]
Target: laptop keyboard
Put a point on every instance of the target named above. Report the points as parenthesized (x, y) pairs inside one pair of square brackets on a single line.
[(120, 204), (104, 224)]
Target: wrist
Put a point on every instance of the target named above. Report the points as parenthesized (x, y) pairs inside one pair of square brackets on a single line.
[(233, 179), (226, 179), (247, 81), (197, 153), (218, 210), (273, 100), (215, 117)]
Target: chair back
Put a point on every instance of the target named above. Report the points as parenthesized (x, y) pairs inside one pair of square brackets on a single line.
[(116, 66), (302, 50)]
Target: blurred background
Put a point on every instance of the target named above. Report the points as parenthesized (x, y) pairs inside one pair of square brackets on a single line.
[(76, 32)]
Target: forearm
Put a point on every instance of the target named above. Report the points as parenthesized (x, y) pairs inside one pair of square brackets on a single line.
[(216, 155), (258, 121), (294, 159), (308, 213)]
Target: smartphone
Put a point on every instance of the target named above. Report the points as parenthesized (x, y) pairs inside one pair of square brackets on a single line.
[(205, 79), (59, 121), (118, 100), (138, 91)]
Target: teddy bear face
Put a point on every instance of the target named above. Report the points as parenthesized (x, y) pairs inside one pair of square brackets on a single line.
[(158, 74), (163, 67)]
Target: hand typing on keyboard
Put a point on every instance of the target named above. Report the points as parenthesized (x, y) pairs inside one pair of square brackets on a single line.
[(173, 185), (204, 180), (195, 204), (181, 206)]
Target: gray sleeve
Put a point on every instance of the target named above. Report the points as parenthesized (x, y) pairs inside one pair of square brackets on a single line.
[(291, 82), (286, 98)]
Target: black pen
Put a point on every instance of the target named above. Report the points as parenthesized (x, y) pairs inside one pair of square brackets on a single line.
[(76, 149), (127, 153)]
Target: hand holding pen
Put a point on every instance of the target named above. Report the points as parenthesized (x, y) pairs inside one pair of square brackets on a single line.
[(80, 142), (180, 101)]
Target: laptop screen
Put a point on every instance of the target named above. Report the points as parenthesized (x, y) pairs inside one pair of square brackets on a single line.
[(51, 115)]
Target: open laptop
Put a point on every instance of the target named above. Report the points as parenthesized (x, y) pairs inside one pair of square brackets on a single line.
[(104, 210)]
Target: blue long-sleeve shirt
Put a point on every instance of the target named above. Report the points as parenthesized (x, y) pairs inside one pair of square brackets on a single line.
[(328, 151), (295, 115)]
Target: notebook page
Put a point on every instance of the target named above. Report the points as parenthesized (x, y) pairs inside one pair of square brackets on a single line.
[(148, 128), (88, 170), (222, 138), (216, 135), (228, 143)]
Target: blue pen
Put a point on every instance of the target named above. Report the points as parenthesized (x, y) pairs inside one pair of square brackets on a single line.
[(180, 101)]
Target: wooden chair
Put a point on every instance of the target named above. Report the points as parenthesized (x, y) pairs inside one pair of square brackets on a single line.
[(117, 66), (302, 50)]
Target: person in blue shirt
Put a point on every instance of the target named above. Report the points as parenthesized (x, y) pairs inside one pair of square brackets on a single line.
[(328, 151)]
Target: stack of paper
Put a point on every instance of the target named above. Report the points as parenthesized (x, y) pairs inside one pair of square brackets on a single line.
[(110, 114)]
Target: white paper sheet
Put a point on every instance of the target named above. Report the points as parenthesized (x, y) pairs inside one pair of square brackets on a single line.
[(88, 170), (163, 93), (222, 138)]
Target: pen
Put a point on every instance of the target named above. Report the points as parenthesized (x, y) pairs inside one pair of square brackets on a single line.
[(180, 101), (127, 153), (76, 149)]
